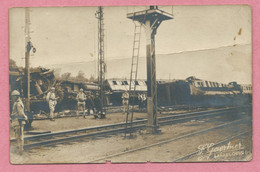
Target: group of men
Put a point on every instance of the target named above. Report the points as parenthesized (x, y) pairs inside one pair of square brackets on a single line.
[(91, 102), (18, 117)]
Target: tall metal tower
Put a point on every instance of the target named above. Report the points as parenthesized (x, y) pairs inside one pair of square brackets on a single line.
[(151, 19), (101, 61)]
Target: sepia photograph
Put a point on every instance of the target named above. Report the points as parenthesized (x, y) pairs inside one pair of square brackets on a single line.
[(130, 84)]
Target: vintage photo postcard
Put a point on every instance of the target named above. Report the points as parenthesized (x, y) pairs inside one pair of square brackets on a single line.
[(130, 84)]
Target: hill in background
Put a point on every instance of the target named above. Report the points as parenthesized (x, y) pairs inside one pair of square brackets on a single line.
[(224, 64)]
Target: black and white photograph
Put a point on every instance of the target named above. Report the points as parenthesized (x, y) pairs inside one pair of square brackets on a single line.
[(130, 84)]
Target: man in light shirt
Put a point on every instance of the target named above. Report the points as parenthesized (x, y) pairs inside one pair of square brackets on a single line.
[(18, 119), (81, 97), (51, 99)]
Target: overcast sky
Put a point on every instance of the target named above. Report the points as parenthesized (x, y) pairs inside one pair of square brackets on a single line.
[(69, 34)]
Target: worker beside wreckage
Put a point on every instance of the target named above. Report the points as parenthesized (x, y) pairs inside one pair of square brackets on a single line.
[(90, 104), (81, 97), (98, 106), (18, 119), (51, 99), (142, 101), (125, 101)]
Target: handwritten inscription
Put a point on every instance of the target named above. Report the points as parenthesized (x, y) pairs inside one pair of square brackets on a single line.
[(211, 151)]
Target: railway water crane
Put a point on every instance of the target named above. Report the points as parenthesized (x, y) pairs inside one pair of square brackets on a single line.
[(151, 19)]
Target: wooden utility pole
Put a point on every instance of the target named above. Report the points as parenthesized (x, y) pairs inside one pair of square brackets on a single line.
[(27, 57), (28, 47)]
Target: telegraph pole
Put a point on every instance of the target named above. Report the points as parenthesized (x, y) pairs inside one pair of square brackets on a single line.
[(28, 47), (27, 57), (151, 19), (101, 60)]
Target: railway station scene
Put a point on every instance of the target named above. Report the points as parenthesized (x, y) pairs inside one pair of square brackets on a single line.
[(130, 84)]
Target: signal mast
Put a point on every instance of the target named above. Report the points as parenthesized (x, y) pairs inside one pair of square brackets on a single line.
[(101, 61)]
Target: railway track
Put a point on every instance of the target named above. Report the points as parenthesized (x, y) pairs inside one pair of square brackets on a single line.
[(106, 130), (117, 109), (180, 159)]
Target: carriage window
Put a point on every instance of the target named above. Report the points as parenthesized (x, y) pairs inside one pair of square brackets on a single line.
[(124, 83), (114, 82), (207, 84), (136, 83)]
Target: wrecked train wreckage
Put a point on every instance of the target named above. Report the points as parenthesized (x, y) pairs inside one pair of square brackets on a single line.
[(41, 81)]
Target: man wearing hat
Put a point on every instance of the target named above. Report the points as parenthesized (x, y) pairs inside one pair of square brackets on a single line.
[(18, 119), (81, 97), (51, 99)]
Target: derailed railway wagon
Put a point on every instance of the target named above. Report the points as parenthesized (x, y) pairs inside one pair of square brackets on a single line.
[(116, 87), (202, 93), (41, 81), (189, 92)]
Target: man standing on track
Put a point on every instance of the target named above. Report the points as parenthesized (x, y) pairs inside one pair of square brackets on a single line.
[(18, 119), (81, 97), (51, 99)]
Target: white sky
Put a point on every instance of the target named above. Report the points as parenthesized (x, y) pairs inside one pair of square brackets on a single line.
[(69, 34)]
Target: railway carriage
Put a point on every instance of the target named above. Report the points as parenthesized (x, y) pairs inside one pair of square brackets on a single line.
[(202, 93), (190, 92)]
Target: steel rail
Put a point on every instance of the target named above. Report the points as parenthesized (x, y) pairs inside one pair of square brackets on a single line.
[(160, 109), (221, 142), (180, 116), (170, 140), (138, 125)]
